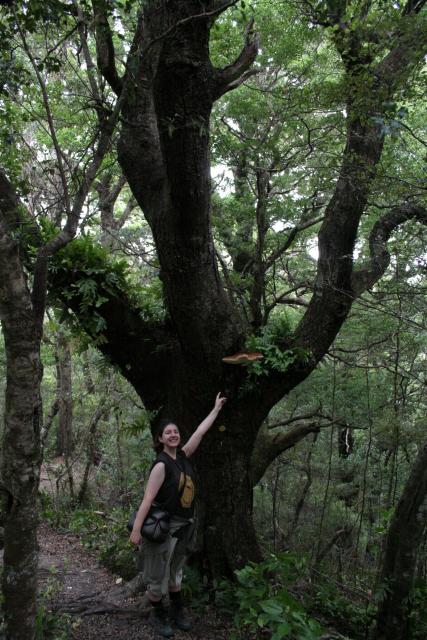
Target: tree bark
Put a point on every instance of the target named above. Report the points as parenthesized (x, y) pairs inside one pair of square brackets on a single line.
[(229, 538)]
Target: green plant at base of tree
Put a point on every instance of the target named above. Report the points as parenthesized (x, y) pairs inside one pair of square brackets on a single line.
[(351, 617), (262, 601)]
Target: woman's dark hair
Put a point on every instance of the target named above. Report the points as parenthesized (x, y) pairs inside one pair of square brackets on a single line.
[(158, 431)]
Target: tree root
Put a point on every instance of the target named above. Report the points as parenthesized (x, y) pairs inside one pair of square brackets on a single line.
[(113, 601)]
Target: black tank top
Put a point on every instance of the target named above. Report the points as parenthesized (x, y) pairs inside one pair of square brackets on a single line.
[(176, 494)]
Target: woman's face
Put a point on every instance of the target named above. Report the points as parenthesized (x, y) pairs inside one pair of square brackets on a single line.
[(170, 436)]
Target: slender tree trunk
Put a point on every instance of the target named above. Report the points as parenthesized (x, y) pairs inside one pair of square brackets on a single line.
[(304, 491), (275, 499), (20, 475), (21, 458), (64, 436), (120, 465), (90, 450), (401, 551)]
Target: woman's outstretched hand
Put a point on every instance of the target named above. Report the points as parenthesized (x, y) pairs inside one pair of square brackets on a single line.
[(220, 401)]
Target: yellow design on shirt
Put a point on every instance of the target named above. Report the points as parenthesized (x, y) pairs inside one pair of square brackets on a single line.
[(187, 496)]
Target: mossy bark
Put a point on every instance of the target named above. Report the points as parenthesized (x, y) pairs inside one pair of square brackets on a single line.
[(21, 457)]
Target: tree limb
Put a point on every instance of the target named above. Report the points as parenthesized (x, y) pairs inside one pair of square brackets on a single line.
[(365, 277), (144, 357), (289, 240), (409, 49), (67, 233), (232, 76), (105, 54), (269, 445)]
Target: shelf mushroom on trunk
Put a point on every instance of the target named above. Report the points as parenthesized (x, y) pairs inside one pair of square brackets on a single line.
[(243, 357)]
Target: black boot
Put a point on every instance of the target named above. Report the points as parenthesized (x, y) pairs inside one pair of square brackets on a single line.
[(159, 621), (176, 611)]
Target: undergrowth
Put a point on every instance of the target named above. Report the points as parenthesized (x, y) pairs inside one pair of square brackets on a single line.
[(48, 624), (269, 600), (261, 604), (103, 533)]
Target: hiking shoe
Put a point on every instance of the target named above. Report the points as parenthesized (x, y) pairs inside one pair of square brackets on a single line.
[(178, 616), (159, 622)]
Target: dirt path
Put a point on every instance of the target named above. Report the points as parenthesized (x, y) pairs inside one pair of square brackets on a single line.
[(98, 605)]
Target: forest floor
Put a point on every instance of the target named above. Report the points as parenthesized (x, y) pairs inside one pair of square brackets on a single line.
[(96, 603)]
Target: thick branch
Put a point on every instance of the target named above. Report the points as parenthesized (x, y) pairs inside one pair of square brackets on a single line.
[(365, 277), (408, 51), (10, 210), (144, 357), (163, 151), (284, 423), (269, 445), (333, 292), (232, 76), (105, 54)]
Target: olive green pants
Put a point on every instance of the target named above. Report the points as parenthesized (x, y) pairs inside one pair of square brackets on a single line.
[(162, 563)]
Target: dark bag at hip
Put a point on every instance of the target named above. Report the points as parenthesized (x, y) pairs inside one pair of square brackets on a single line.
[(156, 525)]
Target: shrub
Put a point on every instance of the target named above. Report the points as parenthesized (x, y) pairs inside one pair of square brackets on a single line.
[(262, 601)]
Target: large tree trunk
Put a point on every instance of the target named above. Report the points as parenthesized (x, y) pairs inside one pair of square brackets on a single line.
[(226, 496), (166, 162), (404, 537), (167, 95)]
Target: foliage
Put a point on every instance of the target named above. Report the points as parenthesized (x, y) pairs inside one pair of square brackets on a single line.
[(349, 614), (55, 511), (418, 611), (98, 276), (272, 344), (264, 601), (196, 589), (356, 617), (48, 624), (106, 535)]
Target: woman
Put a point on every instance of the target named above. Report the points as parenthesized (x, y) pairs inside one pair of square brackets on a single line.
[(170, 484)]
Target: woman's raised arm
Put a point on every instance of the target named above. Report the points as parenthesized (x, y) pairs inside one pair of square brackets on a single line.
[(191, 445)]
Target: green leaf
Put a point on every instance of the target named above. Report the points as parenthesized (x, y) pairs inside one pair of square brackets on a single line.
[(282, 631), (272, 607)]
